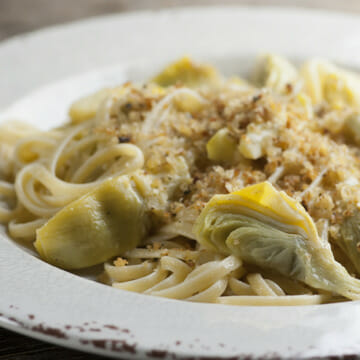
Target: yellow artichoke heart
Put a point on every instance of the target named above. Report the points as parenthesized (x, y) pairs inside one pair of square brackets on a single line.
[(102, 224), (188, 73), (277, 204), (222, 147), (267, 228), (86, 107), (325, 81), (275, 72)]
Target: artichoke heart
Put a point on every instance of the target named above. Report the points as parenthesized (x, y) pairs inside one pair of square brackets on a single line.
[(268, 228), (222, 147), (102, 224), (276, 73), (349, 239), (188, 73), (86, 107)]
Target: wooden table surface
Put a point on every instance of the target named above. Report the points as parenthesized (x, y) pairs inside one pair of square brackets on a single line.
[(19, 16)]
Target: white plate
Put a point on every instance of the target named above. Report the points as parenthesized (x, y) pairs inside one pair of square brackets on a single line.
[(42, 301)]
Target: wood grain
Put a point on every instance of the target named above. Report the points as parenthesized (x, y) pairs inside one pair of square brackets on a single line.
[(19, 16)]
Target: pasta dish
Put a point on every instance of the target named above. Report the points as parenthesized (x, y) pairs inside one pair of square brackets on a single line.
[(199, 187)]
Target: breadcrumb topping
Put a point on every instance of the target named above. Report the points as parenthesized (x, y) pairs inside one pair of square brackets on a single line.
[(272, 131)]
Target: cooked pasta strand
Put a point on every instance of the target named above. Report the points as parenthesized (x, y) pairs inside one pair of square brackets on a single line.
[(153, 254), (288, 300), (240, 288), (201, 278), (259, 285), (211, 294), (129, 272), (142, 284)]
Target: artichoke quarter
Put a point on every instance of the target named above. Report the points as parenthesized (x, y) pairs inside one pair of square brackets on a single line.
[(188, 73), (104, 223), (266, 227), (275, 72)]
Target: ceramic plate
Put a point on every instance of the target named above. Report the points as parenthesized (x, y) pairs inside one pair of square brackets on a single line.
[(44, 302)]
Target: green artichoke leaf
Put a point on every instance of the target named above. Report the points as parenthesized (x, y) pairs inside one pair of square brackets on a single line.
[(349, 239), (222, 147), (104, 223), (265, 227), (263, 245)]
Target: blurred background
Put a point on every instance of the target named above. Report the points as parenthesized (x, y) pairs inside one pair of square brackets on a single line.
[(18, 16)]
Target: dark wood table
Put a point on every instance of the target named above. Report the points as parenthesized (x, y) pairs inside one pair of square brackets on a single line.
[(18, 16)]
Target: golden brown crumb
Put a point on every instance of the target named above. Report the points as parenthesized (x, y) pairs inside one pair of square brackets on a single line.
[(120, 262), (185, 178)]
